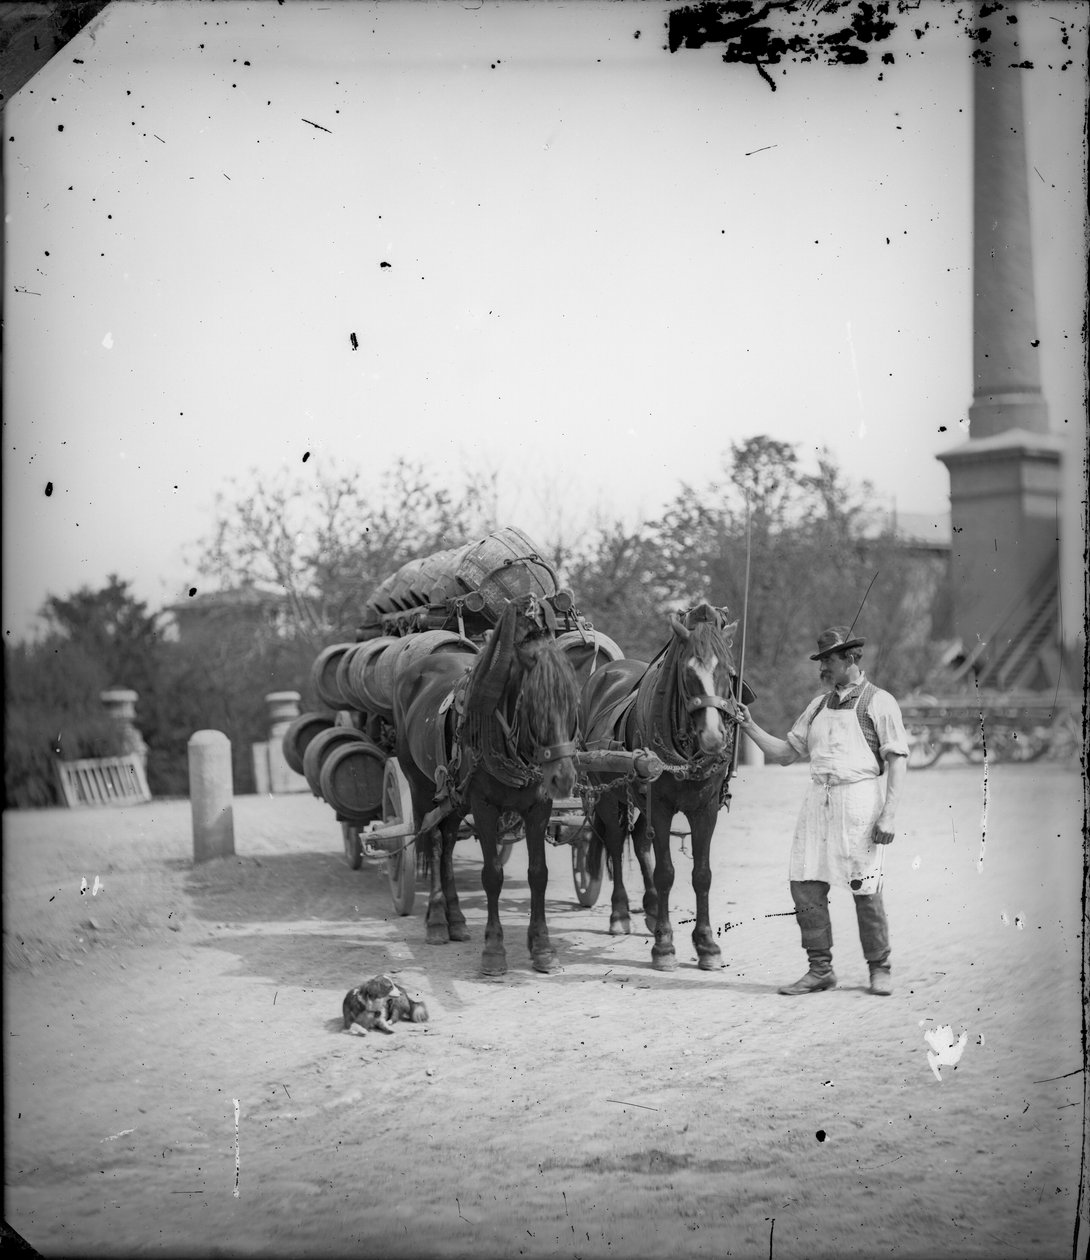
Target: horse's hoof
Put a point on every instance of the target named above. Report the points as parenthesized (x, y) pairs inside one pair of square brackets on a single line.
[(546, 961), (664, 961), (494, 964), (459, 932), (711, 962), (620, 927), (437, 934)]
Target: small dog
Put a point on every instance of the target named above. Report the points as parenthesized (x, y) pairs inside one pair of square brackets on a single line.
[(379, 1003)]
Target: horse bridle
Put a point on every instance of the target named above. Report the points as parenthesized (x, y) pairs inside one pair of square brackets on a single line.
[(553, 752)]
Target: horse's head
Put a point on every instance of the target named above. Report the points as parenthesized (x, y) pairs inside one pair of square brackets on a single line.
[(548, 713), (707, 664)]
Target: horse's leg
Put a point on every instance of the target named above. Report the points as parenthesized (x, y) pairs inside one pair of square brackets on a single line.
[(435, 921), (702, 822), (542, 954), (660, 814), (456, 920), (642, 848), (611, 832), (486, 822)]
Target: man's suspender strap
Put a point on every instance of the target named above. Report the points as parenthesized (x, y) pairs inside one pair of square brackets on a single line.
[(861, 704)]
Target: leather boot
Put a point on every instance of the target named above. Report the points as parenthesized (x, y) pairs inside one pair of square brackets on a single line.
[(881, 982), (820, 976), (812, 982)]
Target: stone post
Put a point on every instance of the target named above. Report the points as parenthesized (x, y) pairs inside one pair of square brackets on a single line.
[(283, 709), (748, 753), (211, 795), (120, 705)]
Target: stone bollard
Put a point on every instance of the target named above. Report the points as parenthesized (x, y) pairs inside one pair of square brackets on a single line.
[(120, 705), (283, 709), (749, 753), (210, 795)]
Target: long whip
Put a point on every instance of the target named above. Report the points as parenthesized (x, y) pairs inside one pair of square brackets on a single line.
[(861, 603), (742, 653)]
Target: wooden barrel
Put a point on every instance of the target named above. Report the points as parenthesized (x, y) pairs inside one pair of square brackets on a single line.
[(381, 671), (351, 668), (405, 585), (384, 598), (299, 734), (323, 674), (319, 748), (350, 780), (588, 650), (503, 566)]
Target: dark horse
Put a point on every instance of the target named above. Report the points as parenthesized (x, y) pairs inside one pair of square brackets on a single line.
[(682, 707), (489, 736)]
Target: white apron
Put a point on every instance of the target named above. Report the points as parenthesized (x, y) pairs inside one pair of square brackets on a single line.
[(833, 837)]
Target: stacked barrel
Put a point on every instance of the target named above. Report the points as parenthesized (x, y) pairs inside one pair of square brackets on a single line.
[(340, 756), (496, 569)]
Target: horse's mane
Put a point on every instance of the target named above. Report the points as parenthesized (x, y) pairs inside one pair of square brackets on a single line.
[(549, 691), (498, 681)]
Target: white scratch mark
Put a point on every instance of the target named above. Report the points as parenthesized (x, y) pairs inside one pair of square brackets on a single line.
[(916, 862), (983, 811), (114, 1136), (235, 1101), (945, 1049), (108, 341)]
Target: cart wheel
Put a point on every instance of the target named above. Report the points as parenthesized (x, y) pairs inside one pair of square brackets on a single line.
[(397, 807), (586, 888), (353, 848), (925, 747)]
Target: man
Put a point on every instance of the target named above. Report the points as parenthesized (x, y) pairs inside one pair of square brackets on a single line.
[(855, 741)]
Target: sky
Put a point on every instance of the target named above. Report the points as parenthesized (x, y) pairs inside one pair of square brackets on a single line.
[(566, 255)]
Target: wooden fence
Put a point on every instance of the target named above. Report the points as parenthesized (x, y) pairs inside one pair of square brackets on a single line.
[(103, 781)]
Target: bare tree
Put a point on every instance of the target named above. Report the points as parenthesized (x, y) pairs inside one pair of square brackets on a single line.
[(329, 541)]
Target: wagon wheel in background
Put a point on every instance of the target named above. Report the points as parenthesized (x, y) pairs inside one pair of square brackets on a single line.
[(397, 807), (353, 846), (924, 747), (510, 825), (587, 887), (1008, 744)]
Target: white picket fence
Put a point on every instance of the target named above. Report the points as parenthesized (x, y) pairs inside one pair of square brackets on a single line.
[(103, 781)]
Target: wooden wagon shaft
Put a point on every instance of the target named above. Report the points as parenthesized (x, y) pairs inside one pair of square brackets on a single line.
[(642, 762)]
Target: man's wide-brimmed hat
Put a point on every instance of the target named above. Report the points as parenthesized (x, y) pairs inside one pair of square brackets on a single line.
[(835, 639)]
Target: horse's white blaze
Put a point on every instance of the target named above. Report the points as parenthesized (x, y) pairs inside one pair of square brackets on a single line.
[(709, 724)]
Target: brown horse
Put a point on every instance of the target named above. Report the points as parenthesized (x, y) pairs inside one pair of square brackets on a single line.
[(681, 706), (489, 736)]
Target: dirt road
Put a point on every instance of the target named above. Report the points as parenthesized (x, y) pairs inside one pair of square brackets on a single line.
[(604, 1110)]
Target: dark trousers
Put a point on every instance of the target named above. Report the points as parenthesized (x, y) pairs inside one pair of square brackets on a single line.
[(811, 898)]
